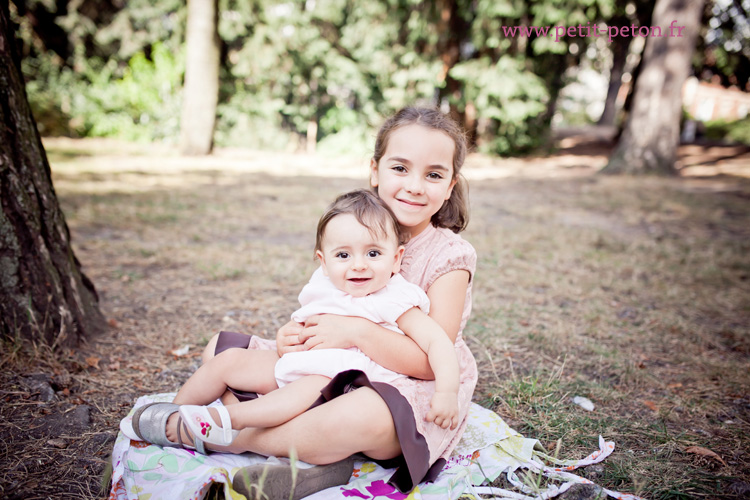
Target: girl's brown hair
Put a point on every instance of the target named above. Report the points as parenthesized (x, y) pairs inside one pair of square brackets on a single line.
[(454, 214), (368, 209)]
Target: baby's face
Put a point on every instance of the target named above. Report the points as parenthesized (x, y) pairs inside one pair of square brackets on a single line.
[(356, 261)]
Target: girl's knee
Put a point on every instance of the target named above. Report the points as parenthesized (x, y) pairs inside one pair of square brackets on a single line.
[(209, 352), (372, 416)]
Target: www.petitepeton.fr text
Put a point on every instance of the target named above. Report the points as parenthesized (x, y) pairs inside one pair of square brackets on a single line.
[(594, 31)]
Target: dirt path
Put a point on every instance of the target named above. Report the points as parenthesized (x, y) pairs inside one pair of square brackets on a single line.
[(633, 291)]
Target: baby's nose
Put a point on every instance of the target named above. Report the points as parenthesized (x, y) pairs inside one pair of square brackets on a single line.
[(359, 263)]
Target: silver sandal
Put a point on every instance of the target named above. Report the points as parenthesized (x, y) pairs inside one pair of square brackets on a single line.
[(150, 424)]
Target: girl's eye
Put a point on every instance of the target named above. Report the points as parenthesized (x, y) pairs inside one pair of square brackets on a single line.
[(399, 168), (373, 253), (434, 176), (342, 255)]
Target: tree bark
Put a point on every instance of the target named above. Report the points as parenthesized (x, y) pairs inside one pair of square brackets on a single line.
[(620, 48), (44, 296), (648, 144), (201, 92), (453, 30)]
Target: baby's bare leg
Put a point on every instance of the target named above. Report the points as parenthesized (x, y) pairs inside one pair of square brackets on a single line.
[(242, 369), (279, 406), (270, 410)]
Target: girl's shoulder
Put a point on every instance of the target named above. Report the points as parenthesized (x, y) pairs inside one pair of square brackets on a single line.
[(439, 252), (455, 251), (446, 243)]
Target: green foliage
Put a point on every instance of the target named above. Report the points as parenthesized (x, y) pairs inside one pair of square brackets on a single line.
[(337, 67), (141, 104), (736, 131), (144, 104), (508, 96)]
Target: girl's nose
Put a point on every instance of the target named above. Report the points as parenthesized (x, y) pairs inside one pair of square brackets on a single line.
[(414, 185)]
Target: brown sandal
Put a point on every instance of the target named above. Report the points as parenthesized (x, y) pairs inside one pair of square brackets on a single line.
[(275, 482)]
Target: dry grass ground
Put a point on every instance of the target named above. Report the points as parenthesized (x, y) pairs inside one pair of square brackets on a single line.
[(634, 293)]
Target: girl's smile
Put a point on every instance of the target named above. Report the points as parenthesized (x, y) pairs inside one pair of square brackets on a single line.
[(415, 175)]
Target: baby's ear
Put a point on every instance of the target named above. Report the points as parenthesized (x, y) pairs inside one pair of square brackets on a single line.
[(397, 260)]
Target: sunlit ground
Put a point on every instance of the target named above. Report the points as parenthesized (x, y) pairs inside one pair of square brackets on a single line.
[(634, 293)]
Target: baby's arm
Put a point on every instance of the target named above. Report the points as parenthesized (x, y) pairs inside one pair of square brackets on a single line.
[(433, 340)]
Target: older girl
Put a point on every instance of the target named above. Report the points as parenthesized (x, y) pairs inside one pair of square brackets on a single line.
[(415, 169)]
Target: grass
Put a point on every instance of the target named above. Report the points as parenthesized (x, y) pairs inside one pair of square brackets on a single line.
[(634, 294), (631, 292)]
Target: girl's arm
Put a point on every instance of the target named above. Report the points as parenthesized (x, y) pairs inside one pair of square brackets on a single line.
[(387, 348), (427, 333), (447, 296)]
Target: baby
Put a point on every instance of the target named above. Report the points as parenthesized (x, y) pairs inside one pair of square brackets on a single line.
[(360, 253)]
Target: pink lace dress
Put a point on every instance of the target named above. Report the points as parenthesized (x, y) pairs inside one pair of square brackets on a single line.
[(425, 446)]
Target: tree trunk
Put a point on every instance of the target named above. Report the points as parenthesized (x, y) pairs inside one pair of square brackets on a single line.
[(649, 141), (620, 48), (453, 30), (201, 92), (44, 296)]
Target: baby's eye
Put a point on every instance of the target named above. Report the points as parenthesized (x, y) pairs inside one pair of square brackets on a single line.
[(342, 255), (373, 253)]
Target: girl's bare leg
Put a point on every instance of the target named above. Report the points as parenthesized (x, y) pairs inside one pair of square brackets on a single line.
[(358, 421), (210, 350)]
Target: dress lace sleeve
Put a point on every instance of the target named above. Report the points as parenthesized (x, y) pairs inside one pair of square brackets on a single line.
[(457, 254)]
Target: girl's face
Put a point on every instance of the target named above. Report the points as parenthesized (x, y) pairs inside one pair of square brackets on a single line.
[(357, 261), (415, 175)]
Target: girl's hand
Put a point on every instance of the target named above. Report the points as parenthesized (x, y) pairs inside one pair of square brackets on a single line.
[(444, 410), (288, 338), (330, 331)]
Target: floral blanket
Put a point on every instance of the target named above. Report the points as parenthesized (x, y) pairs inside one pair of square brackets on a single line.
[(488, 448)]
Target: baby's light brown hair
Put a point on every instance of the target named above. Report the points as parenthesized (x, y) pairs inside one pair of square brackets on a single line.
[(368, 209)]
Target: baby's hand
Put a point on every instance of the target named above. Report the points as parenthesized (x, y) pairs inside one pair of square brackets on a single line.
[(444, 410)]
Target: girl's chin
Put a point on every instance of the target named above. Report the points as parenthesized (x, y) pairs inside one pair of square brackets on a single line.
[(413, 227)]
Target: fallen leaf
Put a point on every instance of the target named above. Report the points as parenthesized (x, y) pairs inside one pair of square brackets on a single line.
[(58, 443), (181, 351), (112, 322), (705, 452), (674, 386), (93, 362), (584, 403), (650, 405)]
